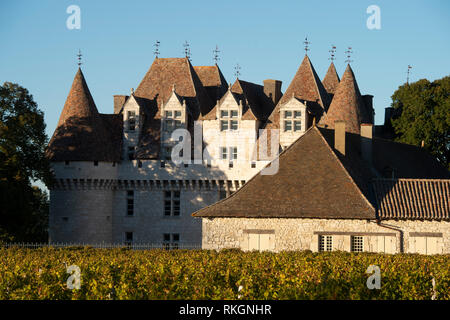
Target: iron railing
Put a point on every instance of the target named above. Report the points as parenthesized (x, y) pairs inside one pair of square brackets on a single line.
[(135, 246)]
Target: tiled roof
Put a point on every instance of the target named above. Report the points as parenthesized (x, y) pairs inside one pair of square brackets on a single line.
[(82, 134), (331, 79), (413, 198), (260, 106), (347, 104), (305, 85), (311, 172), (213, 80), (311, 183), (256, 104), (164, 73)]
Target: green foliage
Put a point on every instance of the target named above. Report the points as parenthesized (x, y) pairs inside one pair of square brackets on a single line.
[(196, 274), (23, 208), (423, 114)]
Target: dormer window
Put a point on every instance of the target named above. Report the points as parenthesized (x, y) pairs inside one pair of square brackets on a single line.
[(131, 120), (292, 120), (172, 120), (228, 120)]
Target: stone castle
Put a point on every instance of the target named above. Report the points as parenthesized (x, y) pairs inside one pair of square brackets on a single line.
[(116, 181)]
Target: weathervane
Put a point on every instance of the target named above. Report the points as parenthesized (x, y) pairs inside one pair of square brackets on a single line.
[(187, 50), (216, 54), (306, 43), (79, 55), (332, 51), (407, 74), (156, 45), (237, 73), (349, 54)]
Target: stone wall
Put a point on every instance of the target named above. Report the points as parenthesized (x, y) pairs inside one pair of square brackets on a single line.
[(78, 215), (303, 234)]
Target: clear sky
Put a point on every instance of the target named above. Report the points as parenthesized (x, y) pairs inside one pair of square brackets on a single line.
[(116, 38)]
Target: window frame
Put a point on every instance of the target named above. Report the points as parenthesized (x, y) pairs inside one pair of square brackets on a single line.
[(172, 203), (229, 119), (356, 243)]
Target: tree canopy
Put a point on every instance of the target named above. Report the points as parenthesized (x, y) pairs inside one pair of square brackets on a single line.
[(23, 208), (422, 113)]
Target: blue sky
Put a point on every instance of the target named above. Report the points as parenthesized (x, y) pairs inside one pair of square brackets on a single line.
[(39, 52)]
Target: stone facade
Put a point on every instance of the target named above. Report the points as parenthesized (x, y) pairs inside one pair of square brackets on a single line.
[(88, 203), (390, 236)]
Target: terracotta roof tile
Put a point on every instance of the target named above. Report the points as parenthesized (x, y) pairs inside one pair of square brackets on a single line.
[(305, 85), (331, 79), (82, 134), (347, 104), (413, 198), (311, 183), (213, 80)]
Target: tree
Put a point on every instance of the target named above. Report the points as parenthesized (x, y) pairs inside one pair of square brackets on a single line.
[(23, 208), (422, 113)]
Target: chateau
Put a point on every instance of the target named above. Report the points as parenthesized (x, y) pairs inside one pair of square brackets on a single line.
[(117, 180)]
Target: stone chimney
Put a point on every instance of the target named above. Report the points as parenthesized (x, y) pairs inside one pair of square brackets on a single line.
[(119, 101), (272, 89), (366, 141), (339, 136), (368, 101), (388, 113)]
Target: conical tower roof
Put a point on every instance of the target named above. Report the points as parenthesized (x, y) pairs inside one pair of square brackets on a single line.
[(81, 133), (331, 80), (305, 85), (347, 104)]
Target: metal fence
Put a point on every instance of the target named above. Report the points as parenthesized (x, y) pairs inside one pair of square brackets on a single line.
[(134, 246)]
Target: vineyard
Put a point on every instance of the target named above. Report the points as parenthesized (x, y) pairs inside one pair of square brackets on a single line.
[(228, 274)]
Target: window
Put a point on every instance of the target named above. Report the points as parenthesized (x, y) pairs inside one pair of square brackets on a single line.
[(131, 120), (96, 163), (253, 165), (67, 163), (65, 219), (228, 120), (130, 202), (170, 241), (292, 120), (325, 243), (222, 194), (224, 153), (170, 122), (356, 244), (171, 203), (223, 125), (288, 126), (232, 153), (128, 238)]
